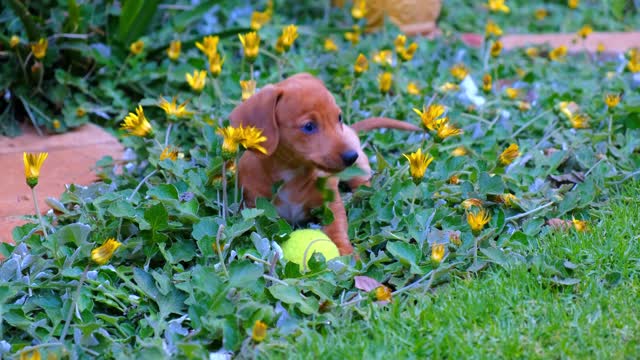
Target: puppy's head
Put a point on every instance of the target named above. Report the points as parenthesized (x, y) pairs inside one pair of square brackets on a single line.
[(302, 123)]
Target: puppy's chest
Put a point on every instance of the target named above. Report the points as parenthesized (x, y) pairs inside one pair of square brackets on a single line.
[(297, 197)]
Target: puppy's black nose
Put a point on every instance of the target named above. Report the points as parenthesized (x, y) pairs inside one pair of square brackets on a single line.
[(349, 157)]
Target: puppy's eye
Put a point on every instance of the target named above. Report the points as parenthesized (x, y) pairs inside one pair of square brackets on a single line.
[(340, 118), (309, 127)]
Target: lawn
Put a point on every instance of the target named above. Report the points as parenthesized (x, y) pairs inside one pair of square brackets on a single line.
[(512, 311), (506, 228)]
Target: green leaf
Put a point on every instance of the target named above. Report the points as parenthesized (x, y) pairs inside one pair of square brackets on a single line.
[(76, 233), (490, 184), (206, 227), (565, 281), (163, 192), (290, 295), (135, 18), (407, 254), (496, 256), (244, 273), (171, 302), (157, 217)]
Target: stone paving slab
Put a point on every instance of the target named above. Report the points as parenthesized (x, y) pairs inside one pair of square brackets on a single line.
[(72, 157)]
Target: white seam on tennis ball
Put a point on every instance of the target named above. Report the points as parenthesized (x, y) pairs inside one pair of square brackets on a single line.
[(304, 255)]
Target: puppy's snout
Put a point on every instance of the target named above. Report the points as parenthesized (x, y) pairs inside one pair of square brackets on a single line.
[(349, 157)]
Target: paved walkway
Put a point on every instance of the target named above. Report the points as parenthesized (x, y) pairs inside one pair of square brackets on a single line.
[(72, 156)]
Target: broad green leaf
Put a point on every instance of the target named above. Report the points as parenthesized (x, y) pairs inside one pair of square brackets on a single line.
[(244, 273), (157, 217), (490, 184)]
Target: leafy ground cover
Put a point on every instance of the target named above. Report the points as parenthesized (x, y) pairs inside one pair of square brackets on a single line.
[(544, 140)]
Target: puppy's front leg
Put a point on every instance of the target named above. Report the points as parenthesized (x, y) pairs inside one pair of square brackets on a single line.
[(337, 230)]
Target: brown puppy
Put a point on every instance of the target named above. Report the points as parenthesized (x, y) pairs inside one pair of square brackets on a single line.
[(306, 140)]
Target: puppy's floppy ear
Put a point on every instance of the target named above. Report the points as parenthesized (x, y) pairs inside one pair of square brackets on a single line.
[(260, 111)]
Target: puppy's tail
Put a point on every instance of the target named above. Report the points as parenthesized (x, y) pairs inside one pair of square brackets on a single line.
[(383, 122)]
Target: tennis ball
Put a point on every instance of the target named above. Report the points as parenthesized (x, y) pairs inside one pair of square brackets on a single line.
[(303, 243)]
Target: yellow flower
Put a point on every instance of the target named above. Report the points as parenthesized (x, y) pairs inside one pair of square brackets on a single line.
[(459, 71), (359, 9), (430, 114), (585, 31), (330, 45), (136, 47), (540, 14), (612, 100), (384, 82), (172, 109), (198, 80), (361, 64), (248, 88), (437, 252), (558, 53), (169, 153), (579, 121), (209, 45), (383, 57), (600, 48), (573, 4), (446, 87), (634, 61), (509, 199), (32, 164), (418, 163), (444, 129), (259, 331), (524, 106), (454, 180), (512, 93), (509, 154), (487, 83), (353, 36), (471, 202), (173, 52), (496, 48), (406, 54), (215, 65), (289, 35), (231, 138), (31, 355), (413, 89), (497, 5), (39, 49), (400, 42), (252, 138), (80, 112), (102, 254), (492, 29), (454, 237), (532, 52), (250, 45), (477, 220), (383, 293), (15, 40), (137, 124), (259, 18), (459, 151), (579, 225), (568, 108), (56, 124)]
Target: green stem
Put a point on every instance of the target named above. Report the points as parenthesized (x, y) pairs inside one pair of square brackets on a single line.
[(73, 304), (236, 192), (610, 128), (347, 119), (140, 184), (219, 251), (35, 203), (225, 201)]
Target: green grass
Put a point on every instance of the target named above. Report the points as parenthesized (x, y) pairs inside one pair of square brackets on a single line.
[(509, 313)]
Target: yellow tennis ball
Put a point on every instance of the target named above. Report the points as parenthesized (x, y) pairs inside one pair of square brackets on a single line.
[(303, 243)]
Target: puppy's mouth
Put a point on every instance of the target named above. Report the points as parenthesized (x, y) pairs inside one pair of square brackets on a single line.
[(331, 170)]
